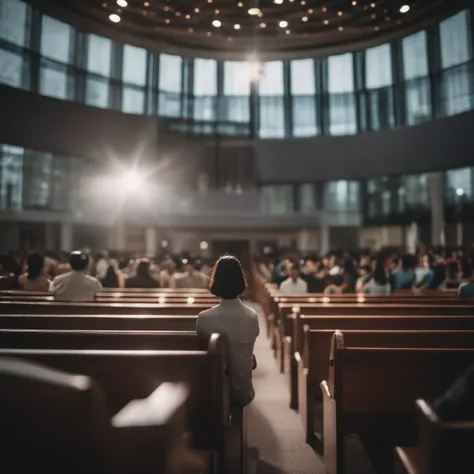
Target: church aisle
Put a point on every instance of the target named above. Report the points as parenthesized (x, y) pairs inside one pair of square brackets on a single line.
[(275, 435)]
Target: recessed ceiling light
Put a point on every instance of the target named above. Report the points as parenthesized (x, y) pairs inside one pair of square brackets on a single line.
[(303, 2), (263, 25), (167, 21), (376, 28), (190, 30), (339, 13), (240, 4), (236, 26), (287, 32), (304, 19), (372, 5), (122, 3), (216, 23), (404, 8), (188, 17), (340, 28), (196, 10), (278, 2), (217, 12), (147, 4), (283, 24), (178, 13), (114, 18), (354, 3), (254, 11), (326, 22), (324, 9), (310, 11)]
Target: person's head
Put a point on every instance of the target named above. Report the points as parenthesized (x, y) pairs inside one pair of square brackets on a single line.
[(407, 262), (380, 275), (294, 272), (35, 263), (110, 279), (466, 268), (227, 278), (143, 267), (78, 260)]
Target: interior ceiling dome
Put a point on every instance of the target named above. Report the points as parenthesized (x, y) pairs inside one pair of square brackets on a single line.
[(264, 25)]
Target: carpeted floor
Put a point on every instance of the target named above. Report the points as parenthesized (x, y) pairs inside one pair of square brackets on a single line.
[(275, 436)]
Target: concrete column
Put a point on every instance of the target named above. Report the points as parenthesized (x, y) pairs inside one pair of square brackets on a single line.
[(307, 240), (324, 239), (150, 241), (436, 189), (66, 237), (120, 237), (9, 236), (50, 236), (411, 237)]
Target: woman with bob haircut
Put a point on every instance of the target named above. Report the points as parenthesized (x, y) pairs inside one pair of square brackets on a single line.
[(237, 322)]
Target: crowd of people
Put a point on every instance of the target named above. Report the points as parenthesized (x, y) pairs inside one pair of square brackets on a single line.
[(78, 276), (369, 272)]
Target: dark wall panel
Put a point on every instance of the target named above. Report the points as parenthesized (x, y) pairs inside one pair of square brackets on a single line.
[(435, 146), (41, 123)]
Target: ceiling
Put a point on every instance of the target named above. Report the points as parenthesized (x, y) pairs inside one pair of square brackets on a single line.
[(210, 25)]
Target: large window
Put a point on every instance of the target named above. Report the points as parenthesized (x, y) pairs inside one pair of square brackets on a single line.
[(303, 89), (271, 91), (457, 86), (460, 185), (14, 70), (37, 172), (278, 199), (417, 84), (378, 81), (342, 196), (235, 102), (14, 21), (308, 198), (134, 73), (169, 104), (342, 108), (11, 177), (99, 61), (415, 192), (205, 89)]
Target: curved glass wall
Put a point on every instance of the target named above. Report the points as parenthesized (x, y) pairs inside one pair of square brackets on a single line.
[(406, 82)]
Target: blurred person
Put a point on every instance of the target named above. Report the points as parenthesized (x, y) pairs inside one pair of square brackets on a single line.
[(111, 278), (76, 285), (435, 278), (404, 276), (345, 281), (8, 277), (142, 278), (168, 269), (365, 276), (313, 276), (35, 279), (63, 264), (466, 288), (379, 284), (294, 283), (102, 265), (192, 277), (236, 321)]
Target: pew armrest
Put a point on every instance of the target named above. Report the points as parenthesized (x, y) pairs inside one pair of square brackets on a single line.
[(407, 460)]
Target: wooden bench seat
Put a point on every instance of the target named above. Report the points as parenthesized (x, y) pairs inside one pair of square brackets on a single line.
[(99, 322), (313, 364), (27, 307), (442, 446), (101, 339), (371, 392), (129, 375), (58, 422)]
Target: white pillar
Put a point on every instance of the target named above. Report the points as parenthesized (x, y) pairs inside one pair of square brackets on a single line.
[(324, 245), (436, 189), (66, 237), (150, 241), (411, 233), (120, 237)]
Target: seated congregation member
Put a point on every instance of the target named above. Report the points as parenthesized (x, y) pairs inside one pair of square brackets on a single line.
[(237, 322), (76, 285), (143, 278), (435, 278), (405, 276), (35, 279), (114, 277), (9, 273), (192, 277), (379, 284), (294, 283), (457, 403), (345, 281)]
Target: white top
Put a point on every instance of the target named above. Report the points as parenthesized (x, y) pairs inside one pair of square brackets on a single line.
[(375, 289), (75, 286), (291, 286), (239, 324)]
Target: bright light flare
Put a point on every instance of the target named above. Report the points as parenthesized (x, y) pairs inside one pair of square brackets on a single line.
[(404, 8), (460, 192), (130, 181)]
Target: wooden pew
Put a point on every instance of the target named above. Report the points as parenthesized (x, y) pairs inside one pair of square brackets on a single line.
[(101, 339), (313, 363), (371, 392), (129, 375), (57, 422), (442, 446), (26, 307), (287, 344), (99, 322)]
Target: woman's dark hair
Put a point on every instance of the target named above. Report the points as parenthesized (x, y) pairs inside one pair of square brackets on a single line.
[(466, 267), (380, 275), (35, 263), (143, 268), (227, 278), (408, 262), (110, 279), (78, 260)]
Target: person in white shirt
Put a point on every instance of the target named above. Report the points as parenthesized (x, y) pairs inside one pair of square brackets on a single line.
[(294, 284), (76, 285), (379, 284)]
